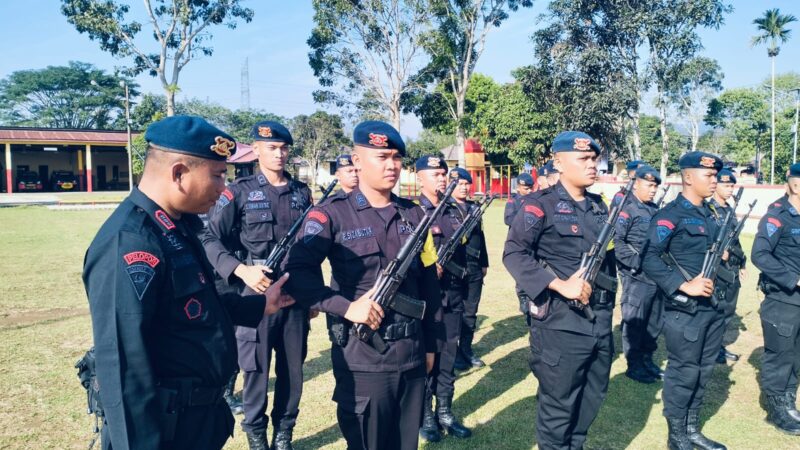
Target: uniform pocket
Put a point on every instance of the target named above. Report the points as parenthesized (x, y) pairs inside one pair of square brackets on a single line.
[(246, 340), (569, 229), (691, 334), (259, 225), (358, 248)]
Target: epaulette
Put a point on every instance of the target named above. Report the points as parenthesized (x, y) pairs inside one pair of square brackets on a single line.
[(406, 202), (242, 179), (135, 220)]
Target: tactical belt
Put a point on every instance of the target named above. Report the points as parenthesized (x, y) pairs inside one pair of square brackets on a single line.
[(473, 252), (192, 394), (400, 330)]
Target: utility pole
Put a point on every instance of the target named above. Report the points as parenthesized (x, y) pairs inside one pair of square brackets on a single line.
[(128, 124), (245, 100), (794, 129)]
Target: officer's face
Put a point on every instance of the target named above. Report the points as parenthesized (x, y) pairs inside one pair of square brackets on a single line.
[(578, 169), (525, 190), (552, 178), (544, 183), (201, 186), (432, 181), (702, 181), (793, 183), (462, 190), (645, 190), (348, 177), (724, 190), (377, 169), (272, 156)]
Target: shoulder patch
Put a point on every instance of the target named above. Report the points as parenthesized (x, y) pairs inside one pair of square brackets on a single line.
[(140, 275), (145, 257), (317, 215), (533, 209)]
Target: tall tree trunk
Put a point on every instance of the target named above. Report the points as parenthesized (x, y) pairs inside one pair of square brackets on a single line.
[(395, 112), (636, 135), (695, 133), (461, 137), (662, 113), (170, 101), (772, 148)]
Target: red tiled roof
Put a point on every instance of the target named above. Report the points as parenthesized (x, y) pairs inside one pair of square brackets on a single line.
[(244, 154), (56, 136)]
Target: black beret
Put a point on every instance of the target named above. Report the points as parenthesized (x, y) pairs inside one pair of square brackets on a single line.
[(574, 141), (645, 172), (700, 160), (378, 135), (794, 170), (525, 179), (430, 162), (343, 161), (726, 176), (547, 169), (271, 131), (633, 165), (461, 174), (192, 136)]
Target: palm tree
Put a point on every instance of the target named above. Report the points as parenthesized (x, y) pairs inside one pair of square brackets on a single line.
[(772, 30)]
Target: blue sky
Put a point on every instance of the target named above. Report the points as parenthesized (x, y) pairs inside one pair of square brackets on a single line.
[(35, 35)]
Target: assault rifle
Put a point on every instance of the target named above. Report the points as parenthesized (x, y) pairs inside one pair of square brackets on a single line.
[(713, 258), (593, 259), (448, 249), (275, 257), (392, 276)]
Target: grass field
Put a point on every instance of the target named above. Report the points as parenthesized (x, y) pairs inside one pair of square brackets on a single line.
[(45, 328)]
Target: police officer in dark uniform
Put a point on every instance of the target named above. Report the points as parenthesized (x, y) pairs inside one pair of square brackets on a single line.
[(432, 177), (346, 173), (684, 230), (163, 336), (477, 266), (630, 167), (255, 212), (641, 307), (524, 186), (734, 267), (379, 395), (570, 354), (547, 176), (776, 253)]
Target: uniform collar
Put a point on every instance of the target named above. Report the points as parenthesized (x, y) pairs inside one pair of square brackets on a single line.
[(784, 203), (262, 179), (158, 216)]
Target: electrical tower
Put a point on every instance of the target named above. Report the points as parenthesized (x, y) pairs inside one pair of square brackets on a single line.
[(245, 100)]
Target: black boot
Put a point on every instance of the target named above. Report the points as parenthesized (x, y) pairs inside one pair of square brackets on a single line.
[(257, 440), (234, 402), (677, 438), (448, 421), (696, 437), (791, 403), (650, 366), (778, 415), (282, 440), (461, 363), (430, 429), (637, 372), (465, 345)]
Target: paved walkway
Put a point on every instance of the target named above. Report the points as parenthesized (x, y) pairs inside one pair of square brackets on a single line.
[(27, 199)]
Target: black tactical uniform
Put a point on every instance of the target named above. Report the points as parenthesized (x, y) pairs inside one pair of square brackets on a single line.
[(776, 253), (570, 355), (163, 336), (693, 334), (379, 396), (641, 307), (513, 205), (255, 215), (477, 262)]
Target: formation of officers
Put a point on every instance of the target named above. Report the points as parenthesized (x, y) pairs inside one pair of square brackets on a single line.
[(178, 308)]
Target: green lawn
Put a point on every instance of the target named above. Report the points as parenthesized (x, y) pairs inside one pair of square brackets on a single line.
[(44, 328)]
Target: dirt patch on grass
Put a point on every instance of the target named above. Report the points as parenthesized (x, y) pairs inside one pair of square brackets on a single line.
[(28, 318)]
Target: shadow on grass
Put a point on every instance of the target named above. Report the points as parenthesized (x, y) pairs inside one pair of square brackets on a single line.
[(319, 365), (502, 332), (319, 439)]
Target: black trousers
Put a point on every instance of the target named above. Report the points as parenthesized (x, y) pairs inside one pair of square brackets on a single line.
[(380, 410), (780, 363), (573, 371), (641, 317), (729, 305), (693, 342), (471, 304), (285, 333), (441, 380)]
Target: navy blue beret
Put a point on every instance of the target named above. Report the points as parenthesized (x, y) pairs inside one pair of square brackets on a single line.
[(461, 174), (378, 135), (700, 160), (430, 162), (574, 141), (645, 172), (525, 179), (794, 170), (192, 136), (271, 131), (726, 176), (343, 161), (633, 165)]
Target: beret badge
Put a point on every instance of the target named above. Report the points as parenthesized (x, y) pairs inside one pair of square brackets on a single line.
[(265, 132), (222, 146), (582, 144), (378, 140)]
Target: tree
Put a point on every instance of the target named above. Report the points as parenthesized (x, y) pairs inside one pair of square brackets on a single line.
[(652, 143), (455, 43), (429, 142), (180, 28), (317, 137), (368, 49), (63, 97), (772, 28), (695, 85), (147, 110)]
